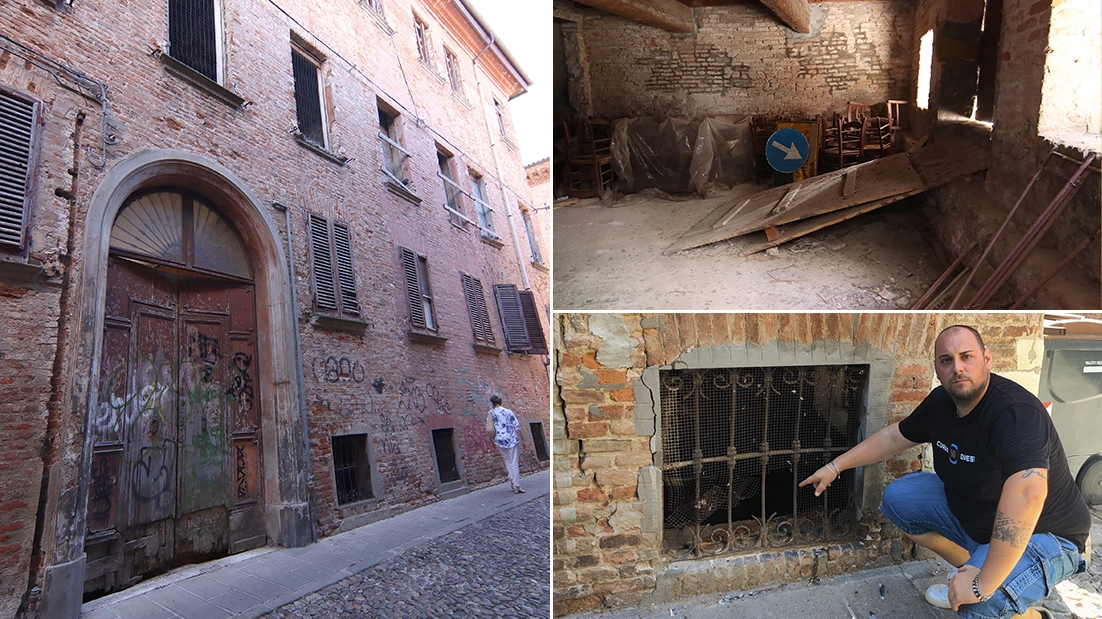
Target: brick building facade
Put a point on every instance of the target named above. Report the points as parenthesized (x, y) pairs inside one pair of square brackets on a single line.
[(262, 264), (626, 404)]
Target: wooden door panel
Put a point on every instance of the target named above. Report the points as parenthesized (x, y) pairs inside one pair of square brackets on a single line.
[(151, 417), (203, 402)]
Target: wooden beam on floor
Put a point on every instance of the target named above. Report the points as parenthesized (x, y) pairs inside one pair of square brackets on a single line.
[(796, 14), (665, 14)]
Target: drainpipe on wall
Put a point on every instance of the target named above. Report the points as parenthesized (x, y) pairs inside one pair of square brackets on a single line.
[(298, 365), (497, 166)]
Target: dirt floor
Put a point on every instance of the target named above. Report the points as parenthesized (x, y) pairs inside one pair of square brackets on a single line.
[(608, 256)]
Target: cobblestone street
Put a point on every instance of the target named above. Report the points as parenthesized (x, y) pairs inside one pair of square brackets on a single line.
[(497, 567)]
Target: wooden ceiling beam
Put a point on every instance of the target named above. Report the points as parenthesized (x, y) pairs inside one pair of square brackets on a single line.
[(665, 14), (796, 14)]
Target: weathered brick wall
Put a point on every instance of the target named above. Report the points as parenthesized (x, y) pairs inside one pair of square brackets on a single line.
[(394, 390), (743, 60), (607, 514), (1017, 151)]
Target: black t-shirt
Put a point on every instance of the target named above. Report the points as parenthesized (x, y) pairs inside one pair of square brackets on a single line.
[(1007, 432)]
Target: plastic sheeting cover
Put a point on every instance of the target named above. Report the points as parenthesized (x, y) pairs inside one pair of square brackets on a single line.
[(680, 155)]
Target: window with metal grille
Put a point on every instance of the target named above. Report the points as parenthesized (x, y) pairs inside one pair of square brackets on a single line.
[(308, 102), (424, 43), (539, 441), (394, 154), (443, 443), (520, 320), (482, 206), (533, 243), (476, 307), (351, 468), (736, 442), (331, 259), (421, 312), (455, 77), (500, 111), (193, 35), (446, 162), (374, 5), (20, 119)]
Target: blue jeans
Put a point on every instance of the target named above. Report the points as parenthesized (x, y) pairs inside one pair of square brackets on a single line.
[(916, 503)]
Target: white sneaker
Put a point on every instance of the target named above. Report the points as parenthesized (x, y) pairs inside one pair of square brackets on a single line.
[(938, 595)]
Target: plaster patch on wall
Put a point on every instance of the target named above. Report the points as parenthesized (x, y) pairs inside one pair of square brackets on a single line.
[(618, 343)]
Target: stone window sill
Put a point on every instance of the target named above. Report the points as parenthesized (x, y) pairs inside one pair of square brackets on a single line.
[(340, 323), (380, 20), (310, 146), (539, 266), (402, 192), (492, 241), (423, 337), (486, 349), (201, 81)]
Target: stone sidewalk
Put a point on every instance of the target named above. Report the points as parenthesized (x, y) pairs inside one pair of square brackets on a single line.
[(858, 596), (250, 584)]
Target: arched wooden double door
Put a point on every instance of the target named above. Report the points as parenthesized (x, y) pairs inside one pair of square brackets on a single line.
[(175, 472)]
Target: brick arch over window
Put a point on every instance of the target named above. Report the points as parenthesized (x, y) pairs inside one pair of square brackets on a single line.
[(288, 520)]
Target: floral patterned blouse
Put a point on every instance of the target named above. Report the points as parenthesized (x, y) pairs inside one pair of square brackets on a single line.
[(505, 425)]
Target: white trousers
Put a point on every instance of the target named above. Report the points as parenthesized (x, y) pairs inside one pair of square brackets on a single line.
[(511, 455)]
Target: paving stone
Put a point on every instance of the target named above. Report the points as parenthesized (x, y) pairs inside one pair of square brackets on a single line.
[(493, 568)]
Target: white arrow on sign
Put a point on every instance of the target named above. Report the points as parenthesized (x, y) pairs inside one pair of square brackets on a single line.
[(791, 152)]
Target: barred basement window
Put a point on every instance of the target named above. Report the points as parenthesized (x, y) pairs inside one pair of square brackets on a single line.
[(539, 441), (455, 77), (444, 444), (194, 36), (476, 307), (351, 468), (416, 268), (331, 259), (20, 119), (520, 320), (309, 109), (737, 442)]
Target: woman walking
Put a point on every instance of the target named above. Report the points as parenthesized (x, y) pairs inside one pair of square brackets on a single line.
[(505, 426)]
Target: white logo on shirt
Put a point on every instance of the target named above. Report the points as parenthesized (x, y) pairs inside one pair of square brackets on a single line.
[(954, 453)]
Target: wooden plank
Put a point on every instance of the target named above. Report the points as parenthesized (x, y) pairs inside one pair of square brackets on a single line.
[(851, 183), (797, 229), (881, 178), (947, 160), (796, 14), (665, 14), (771, 233)]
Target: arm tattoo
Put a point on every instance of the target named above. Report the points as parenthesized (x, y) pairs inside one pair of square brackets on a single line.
[(1032, 472), (1011, 531)]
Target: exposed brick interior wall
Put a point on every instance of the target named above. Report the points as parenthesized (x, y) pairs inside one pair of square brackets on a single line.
[(607, 509), (959, 210), (743, 60)]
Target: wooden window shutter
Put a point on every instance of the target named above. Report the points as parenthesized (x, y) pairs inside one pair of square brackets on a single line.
[(512, 318), (19, 122), (476, 306), (342, 243), (321, 255), (532, 323), (413, 289)]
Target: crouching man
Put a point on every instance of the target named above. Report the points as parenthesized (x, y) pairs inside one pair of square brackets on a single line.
[(1001, 505)]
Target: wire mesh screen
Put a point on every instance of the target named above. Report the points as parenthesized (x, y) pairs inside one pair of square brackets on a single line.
[(191, 35), (737, 442)]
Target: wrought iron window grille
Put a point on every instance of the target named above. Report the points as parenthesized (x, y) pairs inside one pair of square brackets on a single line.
[(737, 442)]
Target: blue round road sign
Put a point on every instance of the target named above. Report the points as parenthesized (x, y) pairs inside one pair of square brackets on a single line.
[(786, 150)]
